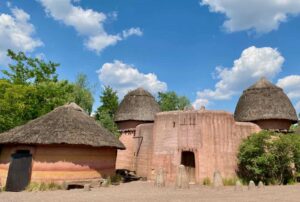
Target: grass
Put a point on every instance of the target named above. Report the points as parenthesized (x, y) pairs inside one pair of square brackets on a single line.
[(207, 181), (230, 181), (34, 186)]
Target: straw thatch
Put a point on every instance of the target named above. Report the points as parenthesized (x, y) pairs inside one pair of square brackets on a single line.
[(138, 105), (263, 101), (68, 124)]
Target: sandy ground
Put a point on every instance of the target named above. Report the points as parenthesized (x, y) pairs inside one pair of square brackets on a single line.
[(145, 191)]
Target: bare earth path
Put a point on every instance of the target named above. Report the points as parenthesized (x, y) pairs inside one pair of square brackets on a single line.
[(145, 191)]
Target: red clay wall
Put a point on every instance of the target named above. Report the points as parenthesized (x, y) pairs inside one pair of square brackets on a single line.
[(63, 163), (274, 124), (213, 136), (125, 158)]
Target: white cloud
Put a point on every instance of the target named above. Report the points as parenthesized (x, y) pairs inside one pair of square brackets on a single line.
[(124, 77), (86, 22), (291, 85), (260, 15), (132, 31), (253, 64), (16, 33)]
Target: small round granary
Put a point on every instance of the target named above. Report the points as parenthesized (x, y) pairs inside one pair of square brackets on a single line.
[(63, 145), (266, 105), (137, 107)]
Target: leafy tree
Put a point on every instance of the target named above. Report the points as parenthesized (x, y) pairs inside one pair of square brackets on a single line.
[(170, 101), (109, 100), (106, 112), (26, 69), (31, 89), (82, 93)]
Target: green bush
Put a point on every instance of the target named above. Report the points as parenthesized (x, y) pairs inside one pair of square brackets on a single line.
[(270, 157)]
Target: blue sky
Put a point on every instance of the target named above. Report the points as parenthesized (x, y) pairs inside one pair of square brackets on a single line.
[(207, 50)]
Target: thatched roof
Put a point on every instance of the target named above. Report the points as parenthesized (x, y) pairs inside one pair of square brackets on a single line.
[(138, 105), (68, 124), (262, 101)]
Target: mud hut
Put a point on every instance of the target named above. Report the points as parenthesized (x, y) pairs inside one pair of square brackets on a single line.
[(63, 145), (137, 107), (266, 105)]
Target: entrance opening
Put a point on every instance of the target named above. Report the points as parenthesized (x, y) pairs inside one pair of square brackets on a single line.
[(188, 160), (19, 172)]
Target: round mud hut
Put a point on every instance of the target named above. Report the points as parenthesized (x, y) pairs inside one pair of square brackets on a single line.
[(137, 107), (266, 105), (61, 146)]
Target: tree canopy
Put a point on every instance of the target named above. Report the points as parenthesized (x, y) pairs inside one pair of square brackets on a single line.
[(106, 112), (30, 88), (170, 101)]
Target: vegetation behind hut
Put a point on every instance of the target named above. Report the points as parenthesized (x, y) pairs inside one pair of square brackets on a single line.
[(170, 101), (106, 112), (29, 88)]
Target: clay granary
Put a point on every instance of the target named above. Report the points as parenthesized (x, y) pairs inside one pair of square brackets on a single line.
[(203, 140)]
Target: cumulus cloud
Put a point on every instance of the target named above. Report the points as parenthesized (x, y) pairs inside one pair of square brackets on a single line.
[(260, 15), (86, 22), (132, 31), (291, 86), (124, 77), (16, 33), (253, 64)]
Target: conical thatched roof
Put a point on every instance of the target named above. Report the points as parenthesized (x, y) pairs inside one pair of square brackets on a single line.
[(138, 105), (262, 101), (68, 124)]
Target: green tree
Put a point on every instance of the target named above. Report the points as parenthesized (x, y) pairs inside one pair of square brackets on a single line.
[(82, 93), (106, 112), (25, 69), (170, 101)]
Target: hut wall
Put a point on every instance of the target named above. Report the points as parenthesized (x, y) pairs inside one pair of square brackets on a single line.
[(212, 136), (64, 163), (123, 125), (143, 145), (125, 158), (274, 124)]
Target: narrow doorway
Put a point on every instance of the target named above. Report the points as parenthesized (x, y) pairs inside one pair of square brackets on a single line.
[(19, 172), (188, 160)]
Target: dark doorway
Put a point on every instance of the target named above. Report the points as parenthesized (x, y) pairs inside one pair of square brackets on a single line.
[(188, 160), (19, 172)]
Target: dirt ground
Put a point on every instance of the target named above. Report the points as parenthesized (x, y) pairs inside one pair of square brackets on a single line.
[(145, 191)]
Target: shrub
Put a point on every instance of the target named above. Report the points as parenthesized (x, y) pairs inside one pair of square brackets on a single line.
[(270, 157)]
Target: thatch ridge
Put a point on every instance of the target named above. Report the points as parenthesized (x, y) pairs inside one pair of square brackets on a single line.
[(263, 101), (67, 124), (137, 105)]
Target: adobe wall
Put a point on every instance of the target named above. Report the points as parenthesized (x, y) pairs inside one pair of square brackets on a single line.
[(274, 124), (63, 163), (123, 125), (125, 158), (213, 136), (143, 145)]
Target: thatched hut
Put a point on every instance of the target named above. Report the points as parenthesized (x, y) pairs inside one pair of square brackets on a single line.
[(266, 105), (137, 107), (63, 145)]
